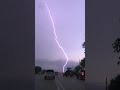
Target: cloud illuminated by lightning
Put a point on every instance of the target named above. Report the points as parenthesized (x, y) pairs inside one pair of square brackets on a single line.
[(56, 37)]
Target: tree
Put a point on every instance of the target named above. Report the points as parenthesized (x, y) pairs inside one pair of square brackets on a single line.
[(82, 63), (83, 45), (38, 69), (69, 68), (116, 47), (114, 83), (77, 68)]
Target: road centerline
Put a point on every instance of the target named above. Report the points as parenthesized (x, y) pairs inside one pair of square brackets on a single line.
[(57, 84), (60, 84)]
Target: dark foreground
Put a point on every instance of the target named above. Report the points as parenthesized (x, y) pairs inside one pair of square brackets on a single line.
[(60, 83)]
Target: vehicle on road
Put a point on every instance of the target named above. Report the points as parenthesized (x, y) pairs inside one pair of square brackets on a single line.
[(49, 74), (81, 74), (56, 73), (68, 73)]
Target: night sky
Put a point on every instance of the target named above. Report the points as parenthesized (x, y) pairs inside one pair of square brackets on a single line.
[(69, 19), (102, 28)]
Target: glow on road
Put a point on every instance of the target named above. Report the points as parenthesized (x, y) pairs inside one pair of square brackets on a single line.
[(56, 37)]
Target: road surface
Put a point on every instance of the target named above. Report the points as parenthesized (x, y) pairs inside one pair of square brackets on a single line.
[(60, 83)]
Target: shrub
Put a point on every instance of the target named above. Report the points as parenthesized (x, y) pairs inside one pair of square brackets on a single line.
[(115, 83)]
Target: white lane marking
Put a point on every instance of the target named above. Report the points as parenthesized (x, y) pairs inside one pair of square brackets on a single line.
[(61, 84), (57, 84)]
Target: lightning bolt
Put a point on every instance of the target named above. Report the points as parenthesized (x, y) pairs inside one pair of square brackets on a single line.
[(56, 37)]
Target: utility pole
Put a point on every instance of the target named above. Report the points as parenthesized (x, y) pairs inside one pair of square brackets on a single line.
[(106, 84)]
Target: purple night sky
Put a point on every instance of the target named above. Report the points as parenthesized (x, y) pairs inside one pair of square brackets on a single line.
[(69, 19)]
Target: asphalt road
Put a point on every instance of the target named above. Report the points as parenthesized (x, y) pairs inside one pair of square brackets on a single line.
[(60, 83)]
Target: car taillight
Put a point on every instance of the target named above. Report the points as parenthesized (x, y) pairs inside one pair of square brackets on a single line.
[(82, 73)]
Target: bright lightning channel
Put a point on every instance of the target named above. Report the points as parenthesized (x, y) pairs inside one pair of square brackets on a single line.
[(56, 37)]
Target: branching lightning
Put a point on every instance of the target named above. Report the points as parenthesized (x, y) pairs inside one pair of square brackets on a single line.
[(56, 37)]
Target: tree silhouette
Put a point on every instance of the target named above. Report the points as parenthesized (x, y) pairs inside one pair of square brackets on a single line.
[(82, 63), (37, 69), (115, 82), (116, 47), (77, 68), (83, 45)]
